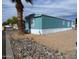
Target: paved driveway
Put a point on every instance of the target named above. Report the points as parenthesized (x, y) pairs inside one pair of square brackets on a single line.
[(6, 47)]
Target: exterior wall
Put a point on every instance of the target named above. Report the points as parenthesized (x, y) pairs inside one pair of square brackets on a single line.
[(36, 23), (45, 24), (27, 29), (52, 22)]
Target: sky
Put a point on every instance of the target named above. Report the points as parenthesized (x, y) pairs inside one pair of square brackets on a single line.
[(65, 9)]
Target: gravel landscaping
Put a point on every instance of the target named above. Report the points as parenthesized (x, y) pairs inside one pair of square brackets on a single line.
[(28, 49)]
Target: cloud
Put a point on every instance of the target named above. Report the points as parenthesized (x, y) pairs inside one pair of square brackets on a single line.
[(59, 8), (55, 7)]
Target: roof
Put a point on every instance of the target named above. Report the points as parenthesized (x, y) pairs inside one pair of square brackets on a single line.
[(8, 26), (40, 15)]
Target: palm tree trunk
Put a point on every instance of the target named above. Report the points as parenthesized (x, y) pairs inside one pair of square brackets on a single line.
[(19, 8), (20, 22)]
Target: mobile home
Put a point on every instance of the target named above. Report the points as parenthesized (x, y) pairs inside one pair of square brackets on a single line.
[(44, 24)]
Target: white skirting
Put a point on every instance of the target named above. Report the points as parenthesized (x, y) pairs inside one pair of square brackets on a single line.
[(36, 31), (46, 31)]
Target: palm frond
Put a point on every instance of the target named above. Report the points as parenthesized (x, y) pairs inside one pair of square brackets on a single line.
[(13, 0), (30, 1)]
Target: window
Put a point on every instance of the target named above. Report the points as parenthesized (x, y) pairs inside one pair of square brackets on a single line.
[(68, 24), (63, 22)]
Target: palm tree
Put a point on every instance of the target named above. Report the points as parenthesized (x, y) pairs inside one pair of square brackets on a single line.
[(19, 8)]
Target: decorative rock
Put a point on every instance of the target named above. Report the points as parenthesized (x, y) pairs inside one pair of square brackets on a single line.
[(28, 49)]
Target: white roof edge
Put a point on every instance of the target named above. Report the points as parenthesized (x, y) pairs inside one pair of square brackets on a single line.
[(8, 26)]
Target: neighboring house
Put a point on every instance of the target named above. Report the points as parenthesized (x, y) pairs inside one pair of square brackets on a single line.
[(3, 28), (43, 24), (15, 26), (8, 27)]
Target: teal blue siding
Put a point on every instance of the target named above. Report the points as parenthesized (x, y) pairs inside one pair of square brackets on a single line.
[(70, 24), (36, 23), (52, 22), (46, 22), (49, 22)]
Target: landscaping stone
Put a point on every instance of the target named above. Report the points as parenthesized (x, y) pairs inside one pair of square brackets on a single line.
[(28, 49)]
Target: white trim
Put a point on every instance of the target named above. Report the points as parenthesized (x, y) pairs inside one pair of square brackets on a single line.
[(36, 31), (46, 31)]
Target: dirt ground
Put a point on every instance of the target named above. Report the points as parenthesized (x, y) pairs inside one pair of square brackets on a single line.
[(62, 41)]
